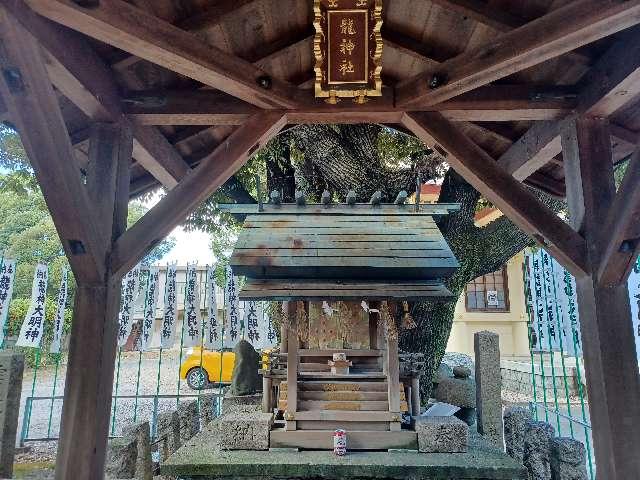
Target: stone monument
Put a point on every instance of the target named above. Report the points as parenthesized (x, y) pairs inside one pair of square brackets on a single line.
[(11, 370), (489, 387)]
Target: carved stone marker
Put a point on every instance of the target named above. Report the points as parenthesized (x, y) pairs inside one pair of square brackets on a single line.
[(568, 459), (489, 387), (11, 370), (245, 431), (442, 435), (515, 426)]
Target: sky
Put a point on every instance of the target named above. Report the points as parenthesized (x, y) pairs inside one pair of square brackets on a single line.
[(190, 246)]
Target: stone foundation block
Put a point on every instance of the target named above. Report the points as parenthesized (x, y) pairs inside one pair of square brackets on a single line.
[(168, 432), (122, 454), (208, 404), (241, 403), (568, 459), (189, 420), (245, 431), (515, 425), (537, 450), (442, 435)]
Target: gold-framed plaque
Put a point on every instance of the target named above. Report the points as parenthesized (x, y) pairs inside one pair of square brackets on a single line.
[(348, 49)]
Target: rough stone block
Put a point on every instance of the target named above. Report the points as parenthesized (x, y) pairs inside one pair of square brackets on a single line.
[(241, 403), (189, 420), (11, 370), (142, 434), (568, 459), (537, 450), (208, 407), (442, 435), (489, 387), (515, 425), (245, 431), (122, 455), (168, 433), (457, 391)]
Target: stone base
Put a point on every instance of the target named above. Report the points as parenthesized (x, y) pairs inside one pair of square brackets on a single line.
[(442, 435), (241, 403), (245, 431), (201, 460)]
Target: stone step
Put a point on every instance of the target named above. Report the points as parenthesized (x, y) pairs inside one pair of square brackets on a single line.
[(345, 405), (356, 440), (342, 395)]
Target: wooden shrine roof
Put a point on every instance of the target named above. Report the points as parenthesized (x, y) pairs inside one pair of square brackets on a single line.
[(381, 246), (183, 72)]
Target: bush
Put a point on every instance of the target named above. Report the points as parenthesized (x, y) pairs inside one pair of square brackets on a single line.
[(17, 312)]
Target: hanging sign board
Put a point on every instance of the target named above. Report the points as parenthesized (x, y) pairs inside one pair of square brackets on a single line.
[(7, 276), (168, 335), (492, 298), (33, 325), (348, 49), (61, 304)]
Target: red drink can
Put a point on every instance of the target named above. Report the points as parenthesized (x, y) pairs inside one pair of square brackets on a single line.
[(340, 442)]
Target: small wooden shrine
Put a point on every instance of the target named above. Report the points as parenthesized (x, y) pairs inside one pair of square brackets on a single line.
[(344, 274)]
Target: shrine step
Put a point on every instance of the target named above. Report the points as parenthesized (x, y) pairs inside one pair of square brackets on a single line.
[(349, 376), (356, 440), (346, 405), (342, 395), (348, 416), (345, 386)]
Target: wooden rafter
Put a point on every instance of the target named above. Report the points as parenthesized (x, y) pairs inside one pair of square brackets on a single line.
[(612, 82), (542, 39), (133, 30), (620, 238), (34, 109), (483, 13), (77, 71), (196, 187), (506, 193)]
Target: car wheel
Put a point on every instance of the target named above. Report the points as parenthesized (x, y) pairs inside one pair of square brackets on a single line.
[(197, 378)]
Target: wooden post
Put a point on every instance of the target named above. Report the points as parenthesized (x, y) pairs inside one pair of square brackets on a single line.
[(612, 379), (267, 394), (393, 379), (415, 396), (284, 332), (292, 365)]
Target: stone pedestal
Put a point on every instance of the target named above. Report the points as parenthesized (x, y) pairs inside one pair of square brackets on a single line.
[(489, 387), (245, 431), (11, 370), (442, 435), (568, 459), (241, 403), (515, 425), (537, 450)]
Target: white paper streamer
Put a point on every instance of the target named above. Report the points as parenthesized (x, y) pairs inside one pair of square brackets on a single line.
[(192, 319), (634, 294), (213, 328), (149, 311), (168, 334), (130, 291), (61, 304), (7, 276), (33, 325)]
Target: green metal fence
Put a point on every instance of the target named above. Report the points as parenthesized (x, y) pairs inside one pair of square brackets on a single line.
[(557, 383)]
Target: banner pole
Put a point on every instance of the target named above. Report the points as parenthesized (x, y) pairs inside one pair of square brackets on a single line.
[(33, 390), (184, 316), (53, 394), (115, 396)]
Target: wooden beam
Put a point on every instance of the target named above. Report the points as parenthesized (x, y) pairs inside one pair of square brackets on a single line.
[(197, 185), (605, 313), (542, 39), (506, 193), (612, 82), (213, 15), (77, 71), (131, 29), (491, 103), (619, 240), (482, 13), (34, 109)]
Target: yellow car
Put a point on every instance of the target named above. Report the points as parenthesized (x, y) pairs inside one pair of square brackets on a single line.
[(199, 377), (202, 372)]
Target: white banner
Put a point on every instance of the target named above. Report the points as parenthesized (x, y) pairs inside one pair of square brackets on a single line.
[(170, 309), (33, 325), (233, 329), (7, 276), (634, 294), (272, 336), (149, 311), (58, 323), (252, 312), (192, 319), (130, 290), (213, 328)]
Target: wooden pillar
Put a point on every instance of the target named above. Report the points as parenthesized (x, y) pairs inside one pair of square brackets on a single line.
[(292, 365), (393, 378), (284, 332), (612, 379), (267, 394)]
